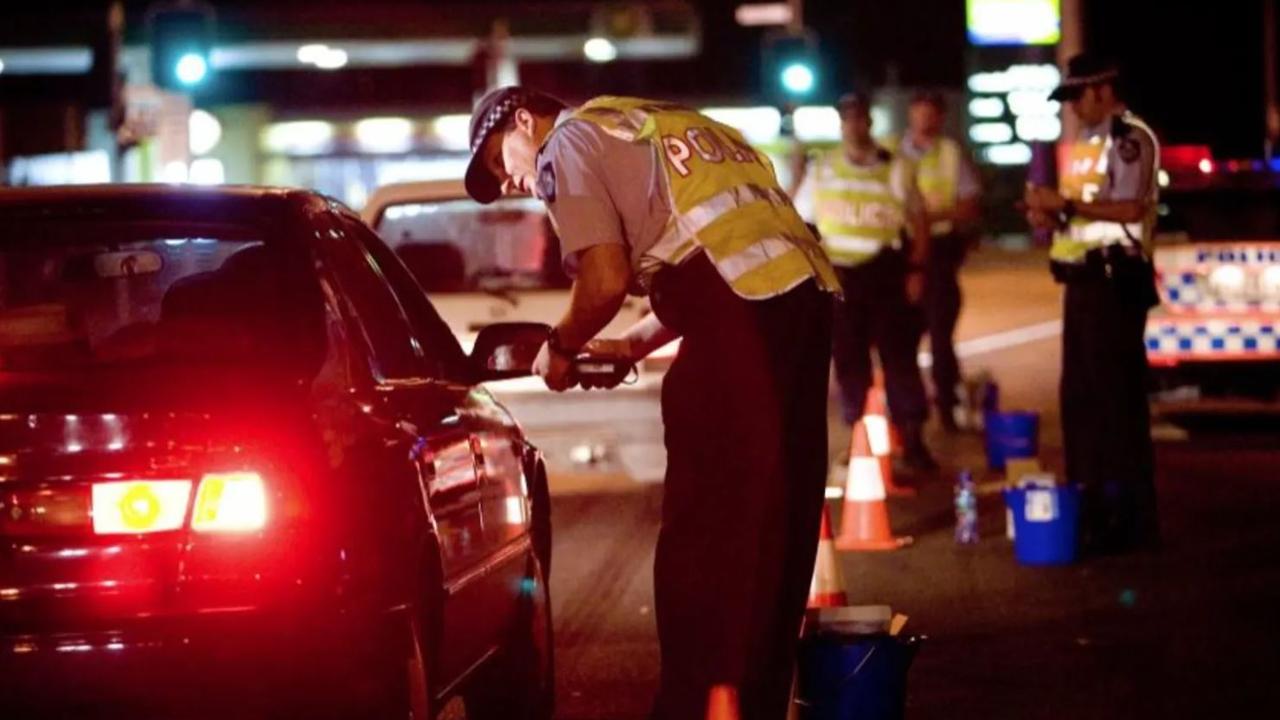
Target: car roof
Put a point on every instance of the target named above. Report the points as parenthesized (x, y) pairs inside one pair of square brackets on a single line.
[(225, 203), (1224, 183), (410, 192)]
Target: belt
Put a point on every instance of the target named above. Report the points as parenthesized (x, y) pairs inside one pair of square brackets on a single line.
[(1099, 264)]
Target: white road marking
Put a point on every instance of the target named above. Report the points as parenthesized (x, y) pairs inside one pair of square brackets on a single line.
[(1000, 341)]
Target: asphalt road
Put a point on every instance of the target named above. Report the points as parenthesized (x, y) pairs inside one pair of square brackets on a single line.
[(1188, 632)]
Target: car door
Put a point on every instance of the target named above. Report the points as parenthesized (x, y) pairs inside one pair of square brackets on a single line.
[(432, 434), (497, 447)]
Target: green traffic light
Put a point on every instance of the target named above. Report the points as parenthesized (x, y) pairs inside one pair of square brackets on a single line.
[(191, 69), (798, 78)]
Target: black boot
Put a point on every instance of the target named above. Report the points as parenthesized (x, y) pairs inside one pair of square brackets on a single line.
[(915, 455)]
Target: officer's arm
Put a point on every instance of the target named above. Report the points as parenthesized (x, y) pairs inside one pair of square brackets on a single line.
[(968, 191), (648, 335), (917, 216), (1119, 211), (604, 273)]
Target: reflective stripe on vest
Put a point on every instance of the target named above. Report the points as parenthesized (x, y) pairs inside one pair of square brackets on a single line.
[(938, 177), (856, 209), (1082, 180), (724, 197)]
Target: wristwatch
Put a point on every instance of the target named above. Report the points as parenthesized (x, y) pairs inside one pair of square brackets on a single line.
[(555, 346), (1068, 209)]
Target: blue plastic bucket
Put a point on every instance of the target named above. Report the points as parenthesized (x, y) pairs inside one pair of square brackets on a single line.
[(1014, 434), (854, 677), (1045, 521)]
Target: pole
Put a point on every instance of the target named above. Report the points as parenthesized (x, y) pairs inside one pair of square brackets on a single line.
[(796, 25), (1271, 118), (1072, 43)]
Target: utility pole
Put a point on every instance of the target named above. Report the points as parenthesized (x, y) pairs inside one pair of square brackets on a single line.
[(1271, 116), (1071, 44)]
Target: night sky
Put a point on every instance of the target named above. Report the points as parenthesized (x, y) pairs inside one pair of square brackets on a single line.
[(1199, 79)]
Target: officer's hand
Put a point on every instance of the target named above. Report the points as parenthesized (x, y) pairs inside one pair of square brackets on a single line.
[(618, 353), (1043, 199), (1040, 220), (915, 287), (556, 371)]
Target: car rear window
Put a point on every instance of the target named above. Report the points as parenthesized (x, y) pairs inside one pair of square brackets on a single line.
[(461, 246), (1221, 214), (78, 294)]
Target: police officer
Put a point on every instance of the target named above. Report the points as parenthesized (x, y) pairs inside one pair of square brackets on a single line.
[(950, 187), (657, 199), (863, 199), (1103, 215)]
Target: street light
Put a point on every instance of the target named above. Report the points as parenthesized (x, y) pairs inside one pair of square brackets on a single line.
[(600, 50)]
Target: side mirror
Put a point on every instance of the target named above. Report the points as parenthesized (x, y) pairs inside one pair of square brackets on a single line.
[(507, 350)]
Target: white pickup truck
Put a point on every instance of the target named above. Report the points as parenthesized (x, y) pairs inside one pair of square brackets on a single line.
[(483, 264)]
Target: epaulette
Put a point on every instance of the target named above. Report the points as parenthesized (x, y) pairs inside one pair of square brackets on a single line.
[(1120, 127)]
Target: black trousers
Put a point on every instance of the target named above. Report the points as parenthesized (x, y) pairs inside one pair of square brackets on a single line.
[(875, 312), (1106, 424), (942, 302), (744, 405)]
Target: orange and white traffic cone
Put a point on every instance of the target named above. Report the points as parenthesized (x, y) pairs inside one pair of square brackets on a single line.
[(881, 436), (826, 589), (865, 522)]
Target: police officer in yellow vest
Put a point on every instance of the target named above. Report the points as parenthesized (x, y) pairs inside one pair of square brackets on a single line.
[(657, 199), (863, 200), (1103, 216), (950, 187)]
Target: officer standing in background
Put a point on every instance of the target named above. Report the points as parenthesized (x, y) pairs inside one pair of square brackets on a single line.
[(1103, 215), (950, 187), (656, 198), (863, 199)]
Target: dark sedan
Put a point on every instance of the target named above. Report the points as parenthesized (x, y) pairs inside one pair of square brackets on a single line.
[(246, 470)]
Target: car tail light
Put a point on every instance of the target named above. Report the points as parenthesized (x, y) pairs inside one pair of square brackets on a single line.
[(230, 502), (140, 506)]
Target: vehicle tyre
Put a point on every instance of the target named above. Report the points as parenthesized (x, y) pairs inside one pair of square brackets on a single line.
[(519, 682)]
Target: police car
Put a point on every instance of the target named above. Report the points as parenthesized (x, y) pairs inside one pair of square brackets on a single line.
[(484, 264), (1214, 341)]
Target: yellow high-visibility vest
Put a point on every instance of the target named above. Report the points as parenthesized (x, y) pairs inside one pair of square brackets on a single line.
[(938, 177), (724, 196), (1081, 181), (856, 208)]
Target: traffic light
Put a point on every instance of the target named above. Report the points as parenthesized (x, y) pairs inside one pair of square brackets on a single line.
[(792, 68), (181, 45)]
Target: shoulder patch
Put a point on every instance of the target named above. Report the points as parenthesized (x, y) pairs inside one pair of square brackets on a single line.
[(546, 188), (1129, 149)]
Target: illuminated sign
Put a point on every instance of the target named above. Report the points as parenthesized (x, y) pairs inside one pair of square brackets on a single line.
[(1014, 22)]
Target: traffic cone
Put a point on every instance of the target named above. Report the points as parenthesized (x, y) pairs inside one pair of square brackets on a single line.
[(865, 522), (826, 589), (881, 436)]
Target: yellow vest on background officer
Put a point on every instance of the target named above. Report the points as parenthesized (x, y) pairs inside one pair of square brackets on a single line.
[(951, 188), (1103, 217), (863, 200), (655, 198)]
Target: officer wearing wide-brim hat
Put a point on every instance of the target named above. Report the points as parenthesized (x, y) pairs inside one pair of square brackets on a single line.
[(658, 199), (1103, 219)]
